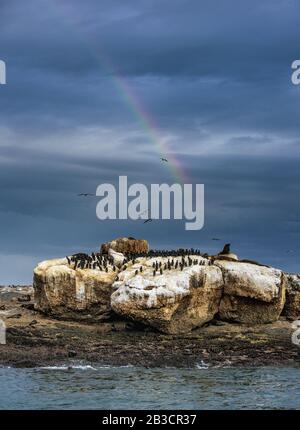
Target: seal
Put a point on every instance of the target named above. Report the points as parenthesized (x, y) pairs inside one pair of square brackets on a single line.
[(226, 249)]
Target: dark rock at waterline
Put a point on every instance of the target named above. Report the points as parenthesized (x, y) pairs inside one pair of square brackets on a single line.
[(118, 342)]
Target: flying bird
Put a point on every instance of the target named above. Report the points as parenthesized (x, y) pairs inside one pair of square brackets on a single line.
[(85, 194), (164, 159)]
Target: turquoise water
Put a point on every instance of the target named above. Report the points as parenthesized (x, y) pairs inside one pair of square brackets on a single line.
[(96, 387)]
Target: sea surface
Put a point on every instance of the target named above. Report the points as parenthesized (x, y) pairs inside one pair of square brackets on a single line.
[(98, 387)]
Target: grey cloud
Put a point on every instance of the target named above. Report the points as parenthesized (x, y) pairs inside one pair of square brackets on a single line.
[(215, 77)]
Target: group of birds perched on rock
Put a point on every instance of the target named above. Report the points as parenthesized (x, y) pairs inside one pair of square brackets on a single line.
[(177, 259), (94, 261), (160, 267), (165, 253)]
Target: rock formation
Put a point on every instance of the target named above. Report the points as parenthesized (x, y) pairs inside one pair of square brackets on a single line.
[(292, 306), (172, 291), (63, 292), (126, 245), (252, 294), (175, 301)]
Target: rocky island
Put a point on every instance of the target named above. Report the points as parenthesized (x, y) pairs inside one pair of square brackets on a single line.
[(129, 305)]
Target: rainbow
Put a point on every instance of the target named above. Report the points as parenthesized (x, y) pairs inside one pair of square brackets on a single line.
[(146, 121), (135, 105)]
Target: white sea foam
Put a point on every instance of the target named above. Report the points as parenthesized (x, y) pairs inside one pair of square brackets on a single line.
[(202, 365), (69, 367), (83, 367)]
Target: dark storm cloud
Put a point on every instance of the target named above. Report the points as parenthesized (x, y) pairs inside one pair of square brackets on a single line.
[(215, 76)]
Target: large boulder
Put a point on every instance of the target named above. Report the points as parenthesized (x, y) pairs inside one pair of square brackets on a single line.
[(63, 292), (173, 302), (292, 305), (253, 294), (126, 245)]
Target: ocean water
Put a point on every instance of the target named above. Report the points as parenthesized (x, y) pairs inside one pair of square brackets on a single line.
[(98, 387)]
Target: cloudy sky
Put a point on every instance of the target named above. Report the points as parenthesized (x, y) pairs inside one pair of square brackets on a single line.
[(82, 80)]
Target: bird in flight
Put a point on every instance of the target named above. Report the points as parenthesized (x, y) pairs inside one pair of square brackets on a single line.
[(148, 220), (85, 194), (164, 159)]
